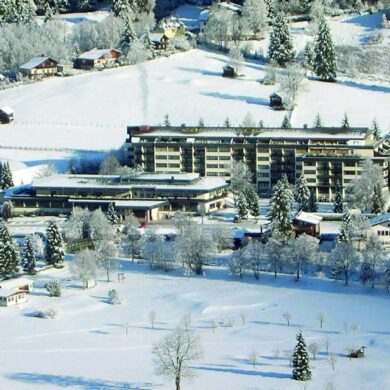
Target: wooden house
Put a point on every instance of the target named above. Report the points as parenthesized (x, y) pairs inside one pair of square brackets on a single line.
[(276, 101), (97, 58), (12, 297), (229, 71), (159, 40), (6, 114), (307, 223), (39, 67)]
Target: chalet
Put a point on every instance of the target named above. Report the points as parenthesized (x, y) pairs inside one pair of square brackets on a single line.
[(170, 27), (380, 227), (97, 58), (12, 297), (307, 223), (229, 71), (276, 101), (159, 40), (39, 67), (17, 284), (6, 114)]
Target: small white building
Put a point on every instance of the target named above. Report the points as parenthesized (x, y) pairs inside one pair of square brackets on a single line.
[(380, 227), (17, 284), (9, 297)]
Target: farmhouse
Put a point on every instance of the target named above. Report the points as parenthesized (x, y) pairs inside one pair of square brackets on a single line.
[(380, 226), (149, 196), (97, 57), (39, 67), (323, 156), (159, 40), (6, 114), (307, 223)]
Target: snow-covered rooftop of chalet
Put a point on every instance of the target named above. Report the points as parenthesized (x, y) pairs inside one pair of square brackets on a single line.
[(383, 218), (14, 283), (34, 62), (156, 37), (95, 54), (7, 110), (5, 293), (308, 218), (131, 204), (112, 182), (324, 133)]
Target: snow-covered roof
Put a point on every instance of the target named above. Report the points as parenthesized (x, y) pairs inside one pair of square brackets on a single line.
[(204, 15), (14, 283), (308, 218), (7, 110), (383, 218), (231, 6), (156, 37), (34, 62), (5, 293), (133, 204), (95, 54)]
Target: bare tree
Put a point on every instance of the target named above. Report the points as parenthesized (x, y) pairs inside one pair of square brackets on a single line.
[(174, 353), (290, 81), (243, 316), (289, 356), (152, 317), (238, 262), (314, 348), (332, 359), (326, 343), (253, 358), (321, 319), (222, 236), (84, 266), (214, 325), (186, 321), (107, 251), (132, 235), (287, 317)]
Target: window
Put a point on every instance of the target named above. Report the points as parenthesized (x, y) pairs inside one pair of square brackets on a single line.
[(263, 166), (263, 174), (212, 173), (159, 165), (212, 157), (309, 172), (350, 172), (224, 157), (262, 159), (212, 165), (311, 180), (173, 157)]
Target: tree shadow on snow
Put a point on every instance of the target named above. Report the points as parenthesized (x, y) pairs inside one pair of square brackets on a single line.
[(200, 71), (239, 371), (246, 99), (33, 379), (365, 87)]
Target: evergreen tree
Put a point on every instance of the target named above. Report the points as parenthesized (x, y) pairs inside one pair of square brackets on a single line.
[(338, 199), (201, 122), (112, 216), (128, 36), (148, 44), (317, 122), (280, 207), (308, 56), (227, 122), (376, 131), (270, 9), (301, 361), (29, 259), (48, 11), (252, 201), (312, 207), (280, 48), (302, 194), (54, 249), (261, 124), (324, 61), (345, 122), (122, 9), (167, 122), (345, 229), (242, 205), (8, 252), (286, 123), (6, 180), (17, 11), (378, 204)]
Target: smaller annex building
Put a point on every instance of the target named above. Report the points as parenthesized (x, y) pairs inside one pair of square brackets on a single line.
[(149, 196)]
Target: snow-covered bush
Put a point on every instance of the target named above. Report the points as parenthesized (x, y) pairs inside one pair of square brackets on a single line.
[(375, 38), (179, 42), (46, 314), (54, 288), (114, 298)]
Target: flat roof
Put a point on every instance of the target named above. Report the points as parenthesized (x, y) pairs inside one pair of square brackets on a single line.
[(133, 204)]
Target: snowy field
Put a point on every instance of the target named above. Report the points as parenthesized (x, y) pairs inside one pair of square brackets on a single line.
[(86, 346)]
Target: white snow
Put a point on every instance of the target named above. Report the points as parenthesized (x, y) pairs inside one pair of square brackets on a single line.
[(86, 346)]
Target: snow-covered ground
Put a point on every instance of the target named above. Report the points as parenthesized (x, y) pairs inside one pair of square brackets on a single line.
[(86, 346)]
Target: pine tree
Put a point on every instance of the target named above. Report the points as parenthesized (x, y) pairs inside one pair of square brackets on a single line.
[(54, 249), (128, 36), (148, 44), (29, 259), (345, 122), (324, 61), (242, 205), (308, 56), (112, 216), (317, 122), (6, 180), (48, 11), (270, 9), (286, 123), (252, 201), (261, 124), (201, 122), (302, 194), (378, 204), (376, 131), (280, 207), (280, 48), (338, 199), (227, 122), (122, 8), (301, 361), (17, 11), (8, 252), (167, 122), (312, 207), (345, 229)]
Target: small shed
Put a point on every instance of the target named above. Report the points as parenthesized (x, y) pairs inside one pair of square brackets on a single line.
[(9, 297), (276, 101), (17, 284), (229, 71), (307, 223), (6, 114), (39, 67)]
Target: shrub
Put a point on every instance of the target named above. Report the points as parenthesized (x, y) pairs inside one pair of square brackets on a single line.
[(114, 298), (46, 314), (54, 288)]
